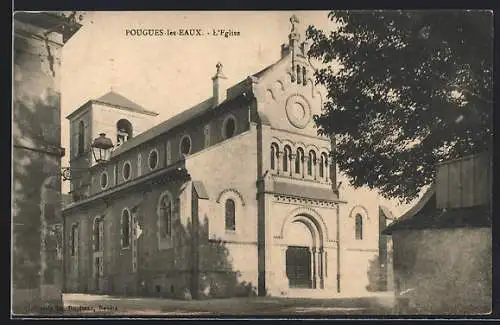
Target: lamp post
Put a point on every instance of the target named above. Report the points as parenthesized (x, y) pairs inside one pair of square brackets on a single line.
[(101, 148)]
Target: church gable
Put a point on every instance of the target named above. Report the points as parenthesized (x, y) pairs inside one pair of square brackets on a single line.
[(286, 94)]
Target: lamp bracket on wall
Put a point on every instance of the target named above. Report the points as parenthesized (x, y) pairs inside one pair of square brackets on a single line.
[(68, 173)]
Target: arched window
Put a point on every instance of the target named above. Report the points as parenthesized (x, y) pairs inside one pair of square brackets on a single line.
[(123, 131), (358, 227), (126, 170), (81, 137), (311, 162), (185, 145), (299, 159), (97, 235), (230, 215), (165, 211), (74, 240), (229, 127), (287, 154), (274, 155), (125, 228), (153, 159), (323, 165)]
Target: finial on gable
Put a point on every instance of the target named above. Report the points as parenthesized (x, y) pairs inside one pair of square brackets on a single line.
[(294, 35), (219, 85), (294, 20), (219, 69)]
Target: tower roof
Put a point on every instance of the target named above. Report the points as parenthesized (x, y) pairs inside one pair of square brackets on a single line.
[(115, 99)]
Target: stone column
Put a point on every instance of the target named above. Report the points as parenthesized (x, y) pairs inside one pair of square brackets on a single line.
[(303, 167), (36, 131), (316, 168), (278, 162), (321, 268), (292, 165), (327, 171), (314, 266)]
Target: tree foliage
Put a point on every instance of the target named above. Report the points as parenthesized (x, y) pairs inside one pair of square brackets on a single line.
[(406, 89)]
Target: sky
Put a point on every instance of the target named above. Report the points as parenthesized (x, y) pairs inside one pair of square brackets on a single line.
[(168, 74)]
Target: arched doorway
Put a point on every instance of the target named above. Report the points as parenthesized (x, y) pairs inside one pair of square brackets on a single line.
[(303, 253), (298, 255)]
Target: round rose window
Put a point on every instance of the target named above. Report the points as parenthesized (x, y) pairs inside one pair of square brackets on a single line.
[(298, 111)]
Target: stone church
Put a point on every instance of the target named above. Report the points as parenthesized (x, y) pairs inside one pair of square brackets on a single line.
[(236, 195)]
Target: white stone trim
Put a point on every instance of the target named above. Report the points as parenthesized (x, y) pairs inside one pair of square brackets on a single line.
[(104, 173), (190, 145), (154, 150), (127, 162)]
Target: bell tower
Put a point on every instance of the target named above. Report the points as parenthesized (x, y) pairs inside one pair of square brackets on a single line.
[(113, 115), (80, 153), (298, 52)]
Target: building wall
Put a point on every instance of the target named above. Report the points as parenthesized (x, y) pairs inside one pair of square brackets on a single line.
[(105, 118), (464, 182), (155, 262), (358, 256), (138, 157), (80, 161), (275, 91), (232, 178), (449, 268), (36, 201), (205, 258)]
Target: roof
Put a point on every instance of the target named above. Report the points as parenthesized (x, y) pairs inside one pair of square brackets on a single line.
[(297, 190), (115, 99), (177, 171), (200, 109), (425, 215), (165, 126), (387, 213), (466, 217), (200, 189), (53, 21), (429, 195)]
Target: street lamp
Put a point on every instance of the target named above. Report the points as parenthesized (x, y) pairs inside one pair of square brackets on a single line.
[(101, 148)]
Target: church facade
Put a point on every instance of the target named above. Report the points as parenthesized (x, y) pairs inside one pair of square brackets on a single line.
[(234, 196)]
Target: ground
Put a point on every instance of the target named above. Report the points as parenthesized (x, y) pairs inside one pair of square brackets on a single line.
[(92, 305)]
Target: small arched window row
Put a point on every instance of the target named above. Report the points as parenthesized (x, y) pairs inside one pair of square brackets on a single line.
[(323, 165), (287, 158), (299, 74), (298, 161)]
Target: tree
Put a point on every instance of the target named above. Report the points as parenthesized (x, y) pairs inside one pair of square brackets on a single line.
[(406, 89)]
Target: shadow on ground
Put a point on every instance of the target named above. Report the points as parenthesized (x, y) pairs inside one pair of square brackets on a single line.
[(92, 305)]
